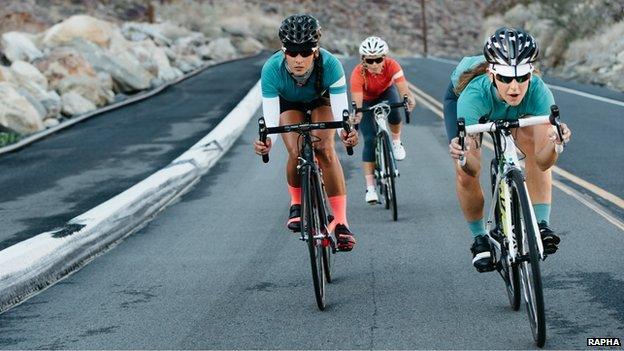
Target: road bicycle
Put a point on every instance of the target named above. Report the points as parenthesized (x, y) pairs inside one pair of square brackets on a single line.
[(386, 170), (315, 213), (511, 225)]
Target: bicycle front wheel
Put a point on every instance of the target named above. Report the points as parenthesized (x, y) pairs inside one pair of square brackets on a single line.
[(312, 227), (508, 271), (391, 201), (530, 275)]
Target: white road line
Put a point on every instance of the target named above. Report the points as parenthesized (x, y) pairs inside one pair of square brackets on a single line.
[(587, 95), (555, 87), (423, 98)]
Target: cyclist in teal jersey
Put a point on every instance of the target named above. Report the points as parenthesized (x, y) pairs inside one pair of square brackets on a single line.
[(302, 77), (502, 85)]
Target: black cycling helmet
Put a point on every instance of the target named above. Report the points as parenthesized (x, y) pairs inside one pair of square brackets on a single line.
[(300, 31), (510, 47)]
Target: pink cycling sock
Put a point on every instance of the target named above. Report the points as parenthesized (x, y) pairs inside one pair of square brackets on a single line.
[(295, 195), (370, 180), (338, 205)]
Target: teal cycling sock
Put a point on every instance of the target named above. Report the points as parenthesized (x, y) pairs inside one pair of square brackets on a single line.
[(542, 212), (477, 227)]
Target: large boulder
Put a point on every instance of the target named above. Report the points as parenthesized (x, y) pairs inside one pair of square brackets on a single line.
[(91, 88), (89, 28), (163, 34), (6, 75), (135, 31), (187, 63), (221, 49), (41, 110), (154, 59), (76, 104), (16, 113), (63, 62), (28, 76), (247, 45), (128, 74), (18, 46)]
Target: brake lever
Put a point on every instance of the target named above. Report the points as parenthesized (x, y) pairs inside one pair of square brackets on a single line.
[(262, 132), (406, 106), (461, 134), (347, 128), (555, 120)]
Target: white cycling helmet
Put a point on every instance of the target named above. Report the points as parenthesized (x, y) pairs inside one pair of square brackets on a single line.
[(373, 46)]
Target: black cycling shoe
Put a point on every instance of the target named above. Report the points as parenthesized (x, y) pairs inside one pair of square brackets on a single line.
[(344, 237), (294, 218), (481, 254), (550, 240)]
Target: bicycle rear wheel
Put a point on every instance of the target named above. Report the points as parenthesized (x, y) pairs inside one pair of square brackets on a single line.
[(530, 275), (391, 201), (508, 271), (311, 226)]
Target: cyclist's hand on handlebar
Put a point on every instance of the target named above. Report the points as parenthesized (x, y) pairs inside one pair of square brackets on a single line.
[(356, 119), (350, 139), (261, 148), (411, 103), (455, 149), (552, 134)]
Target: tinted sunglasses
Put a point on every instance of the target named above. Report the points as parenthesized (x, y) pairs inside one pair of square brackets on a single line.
[(304, 53), (370, 61), (507, 80)]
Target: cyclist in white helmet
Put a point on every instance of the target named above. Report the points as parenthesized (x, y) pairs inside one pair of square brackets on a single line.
[(373, 81)]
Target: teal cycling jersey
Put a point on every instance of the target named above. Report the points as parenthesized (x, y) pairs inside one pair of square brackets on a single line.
[(277, 82), (480, 99)]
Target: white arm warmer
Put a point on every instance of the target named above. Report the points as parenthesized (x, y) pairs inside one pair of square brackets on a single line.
[(271, 111)]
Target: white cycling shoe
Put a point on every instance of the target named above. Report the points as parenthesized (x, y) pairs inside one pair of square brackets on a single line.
[(371, 195), (398, 150)]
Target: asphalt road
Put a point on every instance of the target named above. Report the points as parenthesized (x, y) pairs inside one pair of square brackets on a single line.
[(53, 180), (218, 270)]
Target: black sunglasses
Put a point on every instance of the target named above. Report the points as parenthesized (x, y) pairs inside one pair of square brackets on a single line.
[(507, 80), (370, 61), (304, 53)]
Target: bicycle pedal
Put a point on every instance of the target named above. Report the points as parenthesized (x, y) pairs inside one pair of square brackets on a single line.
[(489, 268)]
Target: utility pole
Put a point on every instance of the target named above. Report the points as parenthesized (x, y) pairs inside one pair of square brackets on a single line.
[(424, 25)]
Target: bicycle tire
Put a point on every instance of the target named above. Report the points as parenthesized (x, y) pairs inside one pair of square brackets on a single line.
[(311, 225), (510, 272), (391, 201), (530, 274)]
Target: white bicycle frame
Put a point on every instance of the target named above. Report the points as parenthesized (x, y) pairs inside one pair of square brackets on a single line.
[(381, 111), (510, 162)]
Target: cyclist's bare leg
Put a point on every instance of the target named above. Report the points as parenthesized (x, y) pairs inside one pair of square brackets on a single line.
[(333, 178), (326, 153), (368, 168), (539, 183), (469, 190), (290, 141), (395, 128)]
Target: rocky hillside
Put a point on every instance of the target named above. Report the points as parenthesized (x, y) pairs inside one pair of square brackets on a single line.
[(580, 40)]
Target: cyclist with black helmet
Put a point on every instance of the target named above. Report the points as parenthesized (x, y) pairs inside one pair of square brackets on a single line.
[(502, 84), (374, 81), (300, 77)]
